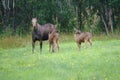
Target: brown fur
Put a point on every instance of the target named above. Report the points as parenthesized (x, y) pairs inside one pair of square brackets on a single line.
[(82, 37), (53, 40), (40, 32)]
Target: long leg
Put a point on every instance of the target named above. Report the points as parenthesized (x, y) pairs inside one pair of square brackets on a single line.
[(58, 45), (33, 45), (79, 45), (85, 43), (90, 41), (55, 44), (50, 46), (53, 47), (40, 46)]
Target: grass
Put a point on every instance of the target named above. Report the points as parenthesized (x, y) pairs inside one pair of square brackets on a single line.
[(14, 41), (101, 62)]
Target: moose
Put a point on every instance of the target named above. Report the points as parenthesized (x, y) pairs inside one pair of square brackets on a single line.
[(40, 32), (82, 37), (53, 40)]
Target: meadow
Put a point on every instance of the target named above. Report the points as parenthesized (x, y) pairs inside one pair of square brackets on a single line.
[(99, 62)]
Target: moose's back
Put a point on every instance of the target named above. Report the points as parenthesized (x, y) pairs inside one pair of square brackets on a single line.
[(43, 31), (84, 35)]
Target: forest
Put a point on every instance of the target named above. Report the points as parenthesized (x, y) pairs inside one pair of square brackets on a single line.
[(98, 61), (96, 16)]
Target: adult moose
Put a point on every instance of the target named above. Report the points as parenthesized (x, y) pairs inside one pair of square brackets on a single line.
[(40, 32)]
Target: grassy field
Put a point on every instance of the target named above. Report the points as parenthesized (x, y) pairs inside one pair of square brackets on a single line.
[(99, 62)]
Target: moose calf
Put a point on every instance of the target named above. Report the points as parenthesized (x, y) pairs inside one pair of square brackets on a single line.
[(53, 40), (82, 37)]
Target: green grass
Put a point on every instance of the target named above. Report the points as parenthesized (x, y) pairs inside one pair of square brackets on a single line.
[(99, 62)]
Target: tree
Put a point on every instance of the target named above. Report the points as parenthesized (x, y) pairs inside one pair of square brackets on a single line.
[(67, 14)]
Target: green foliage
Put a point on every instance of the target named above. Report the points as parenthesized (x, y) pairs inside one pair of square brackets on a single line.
[(17, 15), (102, 61)]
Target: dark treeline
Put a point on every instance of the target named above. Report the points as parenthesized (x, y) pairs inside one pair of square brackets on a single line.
[(97, 16)]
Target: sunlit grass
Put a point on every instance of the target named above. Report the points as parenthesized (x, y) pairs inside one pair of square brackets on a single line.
[(101, 62)]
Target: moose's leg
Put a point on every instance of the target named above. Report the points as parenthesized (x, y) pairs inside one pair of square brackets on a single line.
[(79, 45), (90, 41), (33, 45), (58, 45), (85, 43), (50, 46), (55, 44), (53, 47), (40, 46)]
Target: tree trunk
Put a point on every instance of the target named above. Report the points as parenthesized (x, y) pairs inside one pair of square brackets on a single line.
[(80, 16), (105, 24), (111, 21), (6, 17), (103, 14), (13, 21), (76, 11), (5, 13)]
